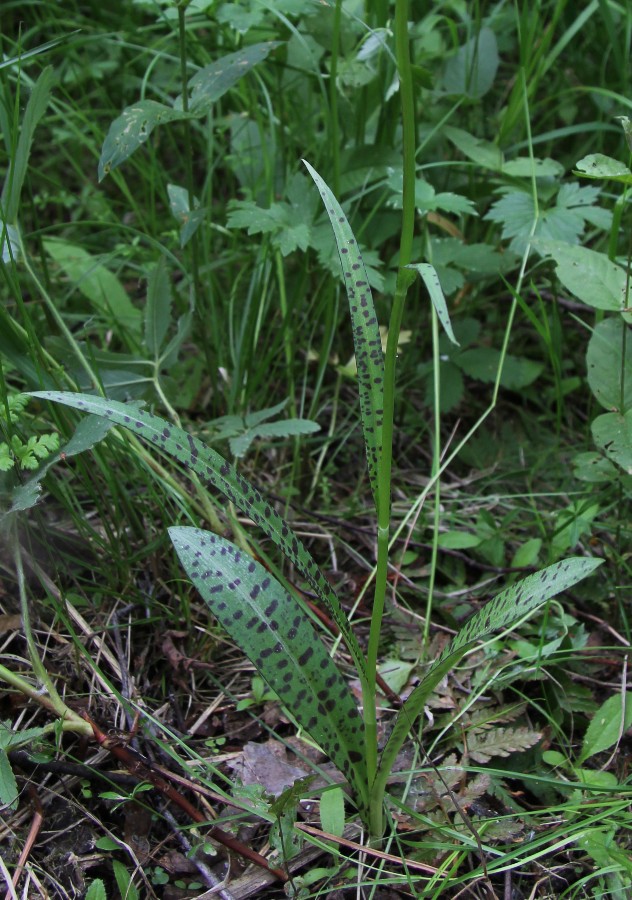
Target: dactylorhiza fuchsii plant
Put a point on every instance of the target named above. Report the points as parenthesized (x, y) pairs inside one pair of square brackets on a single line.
[(268, 623)]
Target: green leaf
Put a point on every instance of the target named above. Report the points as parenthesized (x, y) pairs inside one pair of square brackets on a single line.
[(8, 785), (268, 624), (609, 373), (596, 165), (96, 891), (482, 152), (430, 278), (589, 275), (124, 881), (500, 613), (158, 307), (285, 222), (332, 811), (10, 739), (458, 540), (214, 80), (107, 843), (366, 334), (527, 554), (100, 286), (563, 222), (593, 468), (626, 124), (608, 725), (531, 166), (214, 469), (131, 129), (472, 69), (188, 219), (612, 433), (426, 198), (482, 363)]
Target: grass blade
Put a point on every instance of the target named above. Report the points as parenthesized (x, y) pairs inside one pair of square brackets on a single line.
[(366, 332), (270, 627), (35, 109), (213, 468)]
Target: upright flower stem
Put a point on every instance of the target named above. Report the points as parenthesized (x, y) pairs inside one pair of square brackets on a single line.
[(405, 277)]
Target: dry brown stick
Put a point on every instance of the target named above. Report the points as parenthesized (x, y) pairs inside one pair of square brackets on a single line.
[(34, 830), (369, 851)]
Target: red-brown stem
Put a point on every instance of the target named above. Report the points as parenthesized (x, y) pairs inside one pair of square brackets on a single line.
[(142, 769)]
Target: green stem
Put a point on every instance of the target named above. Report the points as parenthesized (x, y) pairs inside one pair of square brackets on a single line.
[(405, 277), (188, 162), (46, 695), (95, 381), (333, 100), (436, 463)]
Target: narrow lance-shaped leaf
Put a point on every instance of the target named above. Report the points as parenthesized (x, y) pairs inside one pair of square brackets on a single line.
[(157, 307), (211, 467), (35, 109), (267, 623), (430, 278), (366, 332), (506, 608)]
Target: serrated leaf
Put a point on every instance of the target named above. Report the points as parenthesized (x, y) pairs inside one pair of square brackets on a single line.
[(254, 218), (563, 222), (610, 722), (270, 627), (157, 307), (366, 334), (131, 129), (9, 739), (500, 613), (430, 278), (609, 372), (483, 746), (212, 468)]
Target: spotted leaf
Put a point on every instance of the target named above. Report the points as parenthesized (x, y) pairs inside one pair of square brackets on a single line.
[(210, 467), (503, 611), (366, 332), (268, 624)]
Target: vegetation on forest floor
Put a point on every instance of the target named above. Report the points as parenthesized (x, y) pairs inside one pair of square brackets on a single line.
[(164, 246)]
